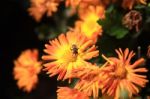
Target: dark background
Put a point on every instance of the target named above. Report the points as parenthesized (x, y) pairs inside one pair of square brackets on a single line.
[(17, 34)]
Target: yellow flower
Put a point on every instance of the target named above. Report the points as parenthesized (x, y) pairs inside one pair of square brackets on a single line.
[(88, 25), (40, 7), (123, 75), (90, 80), (130, 3), (26, 70), (68, 52), (68, 93)]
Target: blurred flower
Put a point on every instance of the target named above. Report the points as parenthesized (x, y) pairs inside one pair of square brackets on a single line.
[(80, 3), (132, 19), (51, 6), (88, 25), (128, 4), (148, 97), (90, 80), (26, 70), (148, 51), (68, 93), (68, 52), (37, 12), (92, 12), (40, 7), (123, 75), (107, 2), (72, 3)]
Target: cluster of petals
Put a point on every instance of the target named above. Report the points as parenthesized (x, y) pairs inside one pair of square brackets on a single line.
[(81, 3), (68, 57), (40, 7), (128, 4), (69, 93), (87, 25), (90, 80), (70, 51), (112, 78), (123, 76), (26, 69)]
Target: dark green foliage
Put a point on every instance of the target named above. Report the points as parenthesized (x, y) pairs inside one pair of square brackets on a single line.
[(112, 24)]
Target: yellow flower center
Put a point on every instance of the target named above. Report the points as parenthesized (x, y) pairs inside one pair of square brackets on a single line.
[(70, 55), (90, 25), (120, 71)]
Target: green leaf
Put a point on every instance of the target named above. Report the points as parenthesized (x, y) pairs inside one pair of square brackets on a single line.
[(118, 31), (148, 5), (110, 9), (101, 22), (139, 6), (121, 32), (112, 31), (112, 24), (73, 82)]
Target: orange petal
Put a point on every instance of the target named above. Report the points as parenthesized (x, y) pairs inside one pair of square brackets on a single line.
[(86, 45), (90, 55), (138, 63)]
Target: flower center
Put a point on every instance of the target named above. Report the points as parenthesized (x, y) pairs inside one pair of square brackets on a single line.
[(32, 71), (70, 57), (71, 54), (120, 71)]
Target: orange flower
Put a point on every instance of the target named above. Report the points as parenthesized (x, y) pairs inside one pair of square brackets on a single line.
[(128, 4), (90, 80), (51, 6), (40, 7), (78, 3), (26, 69), (68, 93), (88, 25), (123, 76), (37, 12), (68, 52), (72, 3)]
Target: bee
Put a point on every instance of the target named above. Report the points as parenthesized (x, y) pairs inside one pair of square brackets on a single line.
[(74, 49)]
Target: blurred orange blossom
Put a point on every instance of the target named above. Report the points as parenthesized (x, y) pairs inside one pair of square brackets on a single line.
[(39, 7), (88, 25), (128, 4), (26, 70)]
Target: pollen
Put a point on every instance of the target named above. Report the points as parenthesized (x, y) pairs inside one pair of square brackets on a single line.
[(69, 56)]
